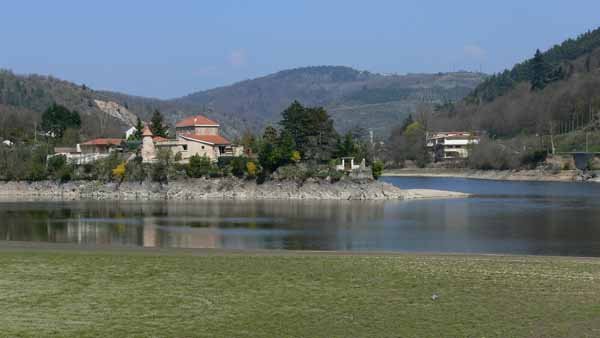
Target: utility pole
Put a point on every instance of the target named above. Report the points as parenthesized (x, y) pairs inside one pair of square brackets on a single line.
[(552, 137), (587, 136)]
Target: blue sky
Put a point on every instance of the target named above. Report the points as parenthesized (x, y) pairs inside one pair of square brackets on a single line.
[(172, 48)]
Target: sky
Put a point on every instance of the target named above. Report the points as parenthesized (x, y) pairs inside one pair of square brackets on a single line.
[(168, 49)]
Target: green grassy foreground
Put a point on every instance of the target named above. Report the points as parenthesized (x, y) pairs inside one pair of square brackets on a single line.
[(76, 293)]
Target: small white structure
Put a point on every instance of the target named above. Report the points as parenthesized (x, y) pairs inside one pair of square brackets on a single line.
[(130, 132), (8, 143), (451, 145), (348, 165)]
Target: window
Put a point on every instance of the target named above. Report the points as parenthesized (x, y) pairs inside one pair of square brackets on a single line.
[(185, 147), (202, 147)]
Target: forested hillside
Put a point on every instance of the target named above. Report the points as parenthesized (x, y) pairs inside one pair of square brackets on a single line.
[(354, 98), (557, 90), (24, 98)]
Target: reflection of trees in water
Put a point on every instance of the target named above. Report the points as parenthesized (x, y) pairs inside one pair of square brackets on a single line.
[(508, 225), (270, 224)]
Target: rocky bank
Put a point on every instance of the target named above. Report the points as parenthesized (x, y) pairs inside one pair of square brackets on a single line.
[(218, 188), (502, 175)]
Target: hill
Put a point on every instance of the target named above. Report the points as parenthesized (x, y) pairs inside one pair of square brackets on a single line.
[(556, 90), (354, 98), (23, 98)]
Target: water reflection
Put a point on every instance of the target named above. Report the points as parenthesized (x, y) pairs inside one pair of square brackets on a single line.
[(526, 219), (210, 224)]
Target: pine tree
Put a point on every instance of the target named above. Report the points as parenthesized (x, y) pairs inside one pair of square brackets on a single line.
[(407, 122), (56, 119), (158, 127), (139, 129), (539, 72)]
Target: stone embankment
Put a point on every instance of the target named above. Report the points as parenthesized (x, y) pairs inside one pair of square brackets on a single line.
[(501, 175), (223, 188)]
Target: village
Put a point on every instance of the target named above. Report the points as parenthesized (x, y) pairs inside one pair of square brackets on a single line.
[(200, 136), (196, 135)]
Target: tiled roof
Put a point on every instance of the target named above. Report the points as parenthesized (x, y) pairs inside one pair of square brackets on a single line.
[(212, 139), (103, 142), (146, 131), (160, 139), (198, 120)]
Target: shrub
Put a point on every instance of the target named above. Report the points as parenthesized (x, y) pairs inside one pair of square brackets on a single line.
[(251, 169), (36, 171), (296, 156), (59, 169), (135, 171), (492, 155), (159, 172), (377, 169), (104, 167), (56, 163), (119, 171), (238, 166), (199, 166), (531, 159)]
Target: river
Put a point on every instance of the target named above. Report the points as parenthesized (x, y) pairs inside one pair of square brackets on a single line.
[(540, 218)]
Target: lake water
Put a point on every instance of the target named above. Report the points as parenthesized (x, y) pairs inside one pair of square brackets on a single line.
[(503, 217)]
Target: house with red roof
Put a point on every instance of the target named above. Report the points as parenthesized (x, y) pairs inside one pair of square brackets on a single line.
[(195, 135), (90, 151), (100, 145)]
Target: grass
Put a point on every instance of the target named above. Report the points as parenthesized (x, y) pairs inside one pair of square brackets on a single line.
[(76, 293)]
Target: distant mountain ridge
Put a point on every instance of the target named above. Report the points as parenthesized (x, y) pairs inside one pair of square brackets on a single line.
[(353, 97)]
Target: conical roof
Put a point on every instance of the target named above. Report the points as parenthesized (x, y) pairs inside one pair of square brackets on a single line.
[(147, 131)]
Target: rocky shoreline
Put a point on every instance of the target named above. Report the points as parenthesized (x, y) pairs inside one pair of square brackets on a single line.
[(500, 175), (217, 188)]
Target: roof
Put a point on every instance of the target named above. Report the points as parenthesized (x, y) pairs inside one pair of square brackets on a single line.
[(210, 139), (103, 142), (146, 131), (160, 139), (197, 121), (64, 150)]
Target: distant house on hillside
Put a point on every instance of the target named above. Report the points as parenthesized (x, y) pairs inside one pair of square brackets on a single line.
[(447, 146), (196, 135)]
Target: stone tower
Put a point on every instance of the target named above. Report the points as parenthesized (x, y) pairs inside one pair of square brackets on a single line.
[(148, 150)]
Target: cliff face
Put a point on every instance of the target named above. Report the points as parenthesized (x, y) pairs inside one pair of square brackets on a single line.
[(202, 189)]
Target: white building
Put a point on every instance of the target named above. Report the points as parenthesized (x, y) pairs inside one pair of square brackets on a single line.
[(130, 132), (451, 145)]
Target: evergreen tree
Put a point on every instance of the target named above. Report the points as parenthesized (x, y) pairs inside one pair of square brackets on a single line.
[(56, 119), (312, 131), (407, 122), (139, 129), (539, 71), (286, 147), (158, 127), (347, 146)]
